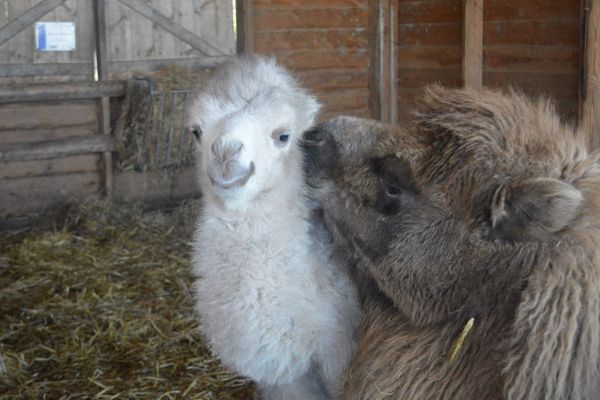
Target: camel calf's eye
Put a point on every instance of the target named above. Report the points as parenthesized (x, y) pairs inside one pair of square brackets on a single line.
[(281, 137), (196, 131)]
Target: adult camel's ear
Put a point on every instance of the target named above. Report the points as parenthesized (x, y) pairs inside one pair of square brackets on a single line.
[(533, 208), (396, 182)]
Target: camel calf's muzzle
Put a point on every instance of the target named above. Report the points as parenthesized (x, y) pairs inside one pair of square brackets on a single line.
[(225, 170)]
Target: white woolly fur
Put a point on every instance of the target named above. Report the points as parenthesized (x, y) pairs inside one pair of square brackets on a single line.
[(273, 304)]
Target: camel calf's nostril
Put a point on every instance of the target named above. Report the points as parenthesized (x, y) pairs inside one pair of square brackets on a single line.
[(226, 150)]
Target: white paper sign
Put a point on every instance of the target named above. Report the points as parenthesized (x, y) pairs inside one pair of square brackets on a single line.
[(55, 36)]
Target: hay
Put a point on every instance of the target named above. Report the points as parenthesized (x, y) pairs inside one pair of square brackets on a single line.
[(101, 307), (145, 123)]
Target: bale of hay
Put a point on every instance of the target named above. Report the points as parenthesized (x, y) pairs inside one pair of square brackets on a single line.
[(150, 133), (101, 307)]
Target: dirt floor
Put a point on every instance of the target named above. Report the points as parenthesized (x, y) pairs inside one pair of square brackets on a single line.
[(99, 306)]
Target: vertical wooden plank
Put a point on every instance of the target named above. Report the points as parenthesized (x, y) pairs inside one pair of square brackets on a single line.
[(473, 44), (245, 26), (383, 20), (104, 102), (164, 42), (591, 102)]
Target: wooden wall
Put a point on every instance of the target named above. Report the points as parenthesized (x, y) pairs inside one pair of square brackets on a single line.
[(533, 45), (140, 36), (429, 48), (20, 62), (138, 42), (29, 186), (324, 42)]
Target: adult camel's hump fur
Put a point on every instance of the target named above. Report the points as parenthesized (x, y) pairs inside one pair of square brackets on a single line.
[(555, 346)]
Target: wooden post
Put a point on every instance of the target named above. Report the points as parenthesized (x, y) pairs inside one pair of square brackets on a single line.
[(473, 44), (590, 115), (104, 102), (383, 30), (244, 10)]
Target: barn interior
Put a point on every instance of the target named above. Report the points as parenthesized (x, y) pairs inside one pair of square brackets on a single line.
[(97, 189)]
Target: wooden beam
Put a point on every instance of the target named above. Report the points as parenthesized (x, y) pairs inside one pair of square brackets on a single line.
[(101, 39), (173, 27), (590, 122), (383, 22), (21, 93), (245, 26), (50, 149), (104, 102), (473, 44), (156, 185), (124, 67), (66, 69), (24, 20)]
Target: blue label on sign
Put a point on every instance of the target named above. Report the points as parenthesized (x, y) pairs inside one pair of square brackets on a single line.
[(55, 36), (41, 36)]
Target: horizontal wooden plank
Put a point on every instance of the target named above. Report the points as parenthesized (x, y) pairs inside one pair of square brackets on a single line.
[(409, 98), (35, 194), (532, 58), (20, 169), (344, 100), (122, 69), (326, 80), (425, 34), (419, 77), (47, 115), (309, 3), (416, 12), (323, 59), (38, 135), (311, 39), (156, 185), (63, 69), (429, 56), (56, 148), (60, 91), (300, 18), (511, 10), (553, 32), (563, 86)]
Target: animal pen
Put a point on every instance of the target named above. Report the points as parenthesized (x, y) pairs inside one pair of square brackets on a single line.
[(94, 130)]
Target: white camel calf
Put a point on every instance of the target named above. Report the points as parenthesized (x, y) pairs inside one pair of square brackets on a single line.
[(273, 304)]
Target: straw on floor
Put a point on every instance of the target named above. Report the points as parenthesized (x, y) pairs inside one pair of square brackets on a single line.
[(100, 307)]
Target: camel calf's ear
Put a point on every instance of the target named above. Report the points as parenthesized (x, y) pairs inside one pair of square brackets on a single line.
[(533, 209)]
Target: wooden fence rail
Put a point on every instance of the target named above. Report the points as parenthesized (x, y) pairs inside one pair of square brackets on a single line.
[(60, 91)]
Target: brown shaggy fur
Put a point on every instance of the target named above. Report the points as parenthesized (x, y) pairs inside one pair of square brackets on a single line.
[(488, 208)]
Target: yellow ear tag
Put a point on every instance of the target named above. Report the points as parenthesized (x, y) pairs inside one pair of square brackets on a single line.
[(457, 345)]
